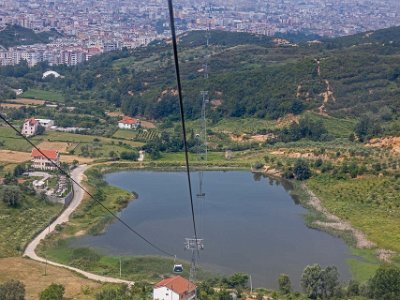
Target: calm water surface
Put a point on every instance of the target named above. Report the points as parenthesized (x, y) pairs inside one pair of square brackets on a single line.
[(250, 224)]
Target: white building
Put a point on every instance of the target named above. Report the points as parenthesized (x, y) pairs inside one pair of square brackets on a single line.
[(30, 127), (129, 123), (48, 73), (40, 161), (174, 288), (46, 123)]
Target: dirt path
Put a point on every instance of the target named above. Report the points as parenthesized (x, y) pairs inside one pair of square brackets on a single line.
[(77, 175)]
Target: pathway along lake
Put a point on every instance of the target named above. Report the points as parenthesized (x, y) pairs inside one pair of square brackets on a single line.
[(250, 224)]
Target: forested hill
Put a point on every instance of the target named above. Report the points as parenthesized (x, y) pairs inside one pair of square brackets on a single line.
[(14, 35), (250, 75)]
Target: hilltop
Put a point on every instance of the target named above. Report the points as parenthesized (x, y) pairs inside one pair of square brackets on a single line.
[(250, 75), (14, 35)]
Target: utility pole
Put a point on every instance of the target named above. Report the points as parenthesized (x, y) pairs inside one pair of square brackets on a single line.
[(194, 245), (45, 266), (120, 268)]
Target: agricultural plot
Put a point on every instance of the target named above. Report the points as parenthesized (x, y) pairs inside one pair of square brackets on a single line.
[(125, 134), (31, 218), (27, 101), (371, 204), (9, 140), (43, 95), (146, 135), (62, 147), (9, 156)]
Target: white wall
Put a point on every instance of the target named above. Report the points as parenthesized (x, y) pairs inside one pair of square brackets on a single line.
[(164, 293)]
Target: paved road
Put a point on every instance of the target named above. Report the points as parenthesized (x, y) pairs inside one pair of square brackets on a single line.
[(77, 175)]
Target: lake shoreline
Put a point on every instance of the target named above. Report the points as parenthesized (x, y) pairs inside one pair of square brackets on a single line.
[(118, 167)]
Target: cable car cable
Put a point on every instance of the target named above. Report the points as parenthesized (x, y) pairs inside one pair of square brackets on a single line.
[(179, 85), (86, 191)]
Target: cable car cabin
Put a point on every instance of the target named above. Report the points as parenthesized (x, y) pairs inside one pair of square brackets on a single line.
[(178, 269)]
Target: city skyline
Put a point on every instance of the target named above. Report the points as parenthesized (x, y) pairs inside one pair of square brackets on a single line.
[(92, 27)]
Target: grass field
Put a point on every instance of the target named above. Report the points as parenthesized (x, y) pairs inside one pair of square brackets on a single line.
[(371, 204), (62, 147), (125, 134), (43, 95), (145, 268), (340, 128), (14, 156), (19, 225), (9, 140), (32, 274)]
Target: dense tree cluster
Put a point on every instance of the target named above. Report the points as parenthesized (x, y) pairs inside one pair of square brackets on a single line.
[(12, 290)]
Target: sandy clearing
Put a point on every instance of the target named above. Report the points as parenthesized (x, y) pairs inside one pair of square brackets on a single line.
[(14, 156), (31, 273)]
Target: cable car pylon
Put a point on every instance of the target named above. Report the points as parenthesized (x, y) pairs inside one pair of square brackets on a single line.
[(194, 245)]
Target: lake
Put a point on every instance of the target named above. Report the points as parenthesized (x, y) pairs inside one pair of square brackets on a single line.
[(249, 223)]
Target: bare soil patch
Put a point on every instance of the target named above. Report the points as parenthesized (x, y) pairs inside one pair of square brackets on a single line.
[(287, 120), (31, 273), (147, 124), (392, 143), (11, 105), (14, 156), (62, 147), (115, 114), (27, 101)]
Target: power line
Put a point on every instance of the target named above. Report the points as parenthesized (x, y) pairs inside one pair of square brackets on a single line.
[(86, 191), (178, 80)]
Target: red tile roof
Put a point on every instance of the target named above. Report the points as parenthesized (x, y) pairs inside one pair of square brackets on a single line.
[(31, 121), (52, 154), (128, 120), (177, 284)]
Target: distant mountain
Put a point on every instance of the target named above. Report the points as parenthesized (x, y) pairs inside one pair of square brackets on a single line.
[(14, 35), (249, 75)]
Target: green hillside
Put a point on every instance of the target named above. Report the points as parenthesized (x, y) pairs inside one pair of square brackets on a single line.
[(14, 35), (250, 76)]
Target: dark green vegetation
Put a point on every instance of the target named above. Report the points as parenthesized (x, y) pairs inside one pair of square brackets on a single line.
[(14, 35), (250, 76), (53, 292), (23, 214), (12, 290)]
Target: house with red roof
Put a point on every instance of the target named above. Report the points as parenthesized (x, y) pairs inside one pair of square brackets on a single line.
[(30, 127), (40, 160), (129, 123), (174, 288)]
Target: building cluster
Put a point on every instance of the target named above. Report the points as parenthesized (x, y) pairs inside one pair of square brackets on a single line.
[(91, 27)]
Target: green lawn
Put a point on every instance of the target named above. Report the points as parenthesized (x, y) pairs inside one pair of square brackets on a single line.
[(19, 225), (43, 95)]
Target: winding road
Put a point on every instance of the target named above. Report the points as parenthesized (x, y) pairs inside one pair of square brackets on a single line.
[(77, 175)]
